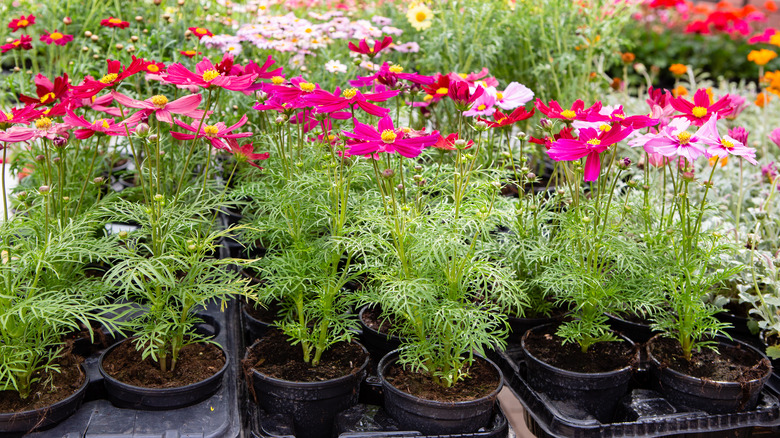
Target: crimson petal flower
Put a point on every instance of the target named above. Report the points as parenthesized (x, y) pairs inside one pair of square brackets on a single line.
[(298, 88), (47, 91), (502, 119), (116, 73), (591, 143), (161, 107), (200, 32), (19, 116), (213, 133), (700, 110), (56, 37), (385, 138), (363, 48), (436, 91), (326, 102), (114, 22), (566, 133), (260, 72), (389, 75), (461, 94), (448, 142), (245, 153), (206, 75), (21, 22), (22, 43), (577, 111), (99, 126)]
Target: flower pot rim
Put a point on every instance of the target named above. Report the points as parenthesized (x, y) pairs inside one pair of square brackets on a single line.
[(78, 392), (569, 373), (391, 357), (364, 326), (304, 385), (722, 340), (160, 391)]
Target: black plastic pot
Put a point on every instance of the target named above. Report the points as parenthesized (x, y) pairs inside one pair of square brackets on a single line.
[(636, 331), (433, 417), (27, 421), (134, 397), (313, 406), (518, 326), (708, 395), (253, 328), (377, 343), (595, 393), (739, 324)]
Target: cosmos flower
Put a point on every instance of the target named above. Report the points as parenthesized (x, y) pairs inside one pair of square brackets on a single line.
[(213, 133), (22, 116), (200, 32), (21, 22), (484, 105), (513, 96), (190, 53), (364, 49), (114, 22), (87, 129), (577, 111), (726, 145), (206, 75), (47, 91), (591, 143), (674, 140), (326, 102), (500, 119), (56, 37), (700, 110), (334, 66), (15, 135), (115, 74), (245, 153), (389, 75), (385, 138), (448, 142), (161, 107), (22, 43)]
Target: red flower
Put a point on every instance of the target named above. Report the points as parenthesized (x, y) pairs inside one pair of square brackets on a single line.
[(21, 22), (154, 67), (56, 37), (245, 153), (23, 43), (363, 48), (461, 94), (19, 116), (214, 133), (700, 110), (565, 133), (114, 22), (577, 111), (389, 75), (298, 88), (200, 32), (448, 142), (47, 91), (190, 53), (99, 126), (436, 91), (115, 75), (329, 102), (502, 119)]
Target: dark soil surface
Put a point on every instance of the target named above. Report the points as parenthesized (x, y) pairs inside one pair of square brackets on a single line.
[(741, 310), (50, 389), (733, 364), (268, 314), (482, 380), (636, 319), (196, 362), (374, 319), (275, 357), (601, 357)]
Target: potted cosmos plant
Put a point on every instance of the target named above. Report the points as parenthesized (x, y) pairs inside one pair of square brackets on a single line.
[(688, 337)]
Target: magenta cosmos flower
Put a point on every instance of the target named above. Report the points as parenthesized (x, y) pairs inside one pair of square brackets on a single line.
[(576, 112), (700, 110), (56, 37), (87, 129), (22, 43), (245, 153), (161, 107), (674, 140), (326, 102), (363, 47), (15, 135), (389, 75), (726, 145), (213, 133), (115, 74), (385, 138), (591, 143), (206, 75)]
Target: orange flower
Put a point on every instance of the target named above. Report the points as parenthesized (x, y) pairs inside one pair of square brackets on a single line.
[(723, 160), (770, 6), (761, 57), (627, 57), (762, 100), (680, 91), (678, 69), (775, 39)]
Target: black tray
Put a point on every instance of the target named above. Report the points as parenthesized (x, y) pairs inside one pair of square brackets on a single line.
[(216, 417), (643, 413)]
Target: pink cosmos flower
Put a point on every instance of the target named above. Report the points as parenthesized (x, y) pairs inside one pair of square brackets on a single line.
[(213, 133), (775, 136), (206, 75), (56, 37), (513, 96), (385, 138), (462, 95), (674, 140), (21, 22), (725, 146), (326, 102), (363, 47), (298, 88), (577, 111), (95, 104), (700, 110), (260, 72), (161, 107), (484, 105), (591, 143), (275, 103), (389, 75), (22, 43), (737, 104), (660, 101), (15, 135), (87, 129), (22, 116)]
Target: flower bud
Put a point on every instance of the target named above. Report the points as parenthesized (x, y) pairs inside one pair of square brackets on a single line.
[(760, 214), (280, 119), (561, 192), (192, 247), (59, 142), (43, 190), (357, 61), (21, 196), (66, 21), (624, 164), (40, 158), (142, 130), (422, 182), (139, 18), (87, 34), (159, 197), (689, 176), (496, 185), (480, 126), (459, 143), (417, 168), (545, 124), (531, 176), (56, 160), (586, 220), (153, 138), (99, 180), (388, 173), (417, 177), (522, 136), (399, 187)]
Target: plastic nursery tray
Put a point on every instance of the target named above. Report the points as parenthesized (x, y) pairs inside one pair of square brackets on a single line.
[(367, 419), (216, 417), (642, 413)]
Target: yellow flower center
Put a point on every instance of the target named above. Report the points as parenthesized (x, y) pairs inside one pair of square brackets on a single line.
[(22, 23), (114, 21), (331, 137), (605, 127), (277, 80), (727, 144), (104, 124), (307, 87), (47, 97), (594, 142), (699, 111), (349, 93), (152, 68), (388, 136), (56, 36), (427, 97), (421, 16), (308, 30), (442, 90), (16, 43), (201, 31), (9, 116), (481, 107), (43, 123), (396, 68), (189, 52), (107, 79), (210, 130), (462, 75), (159, 100), (569, 114), (210, 75), (499, 96), (684, 137)]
